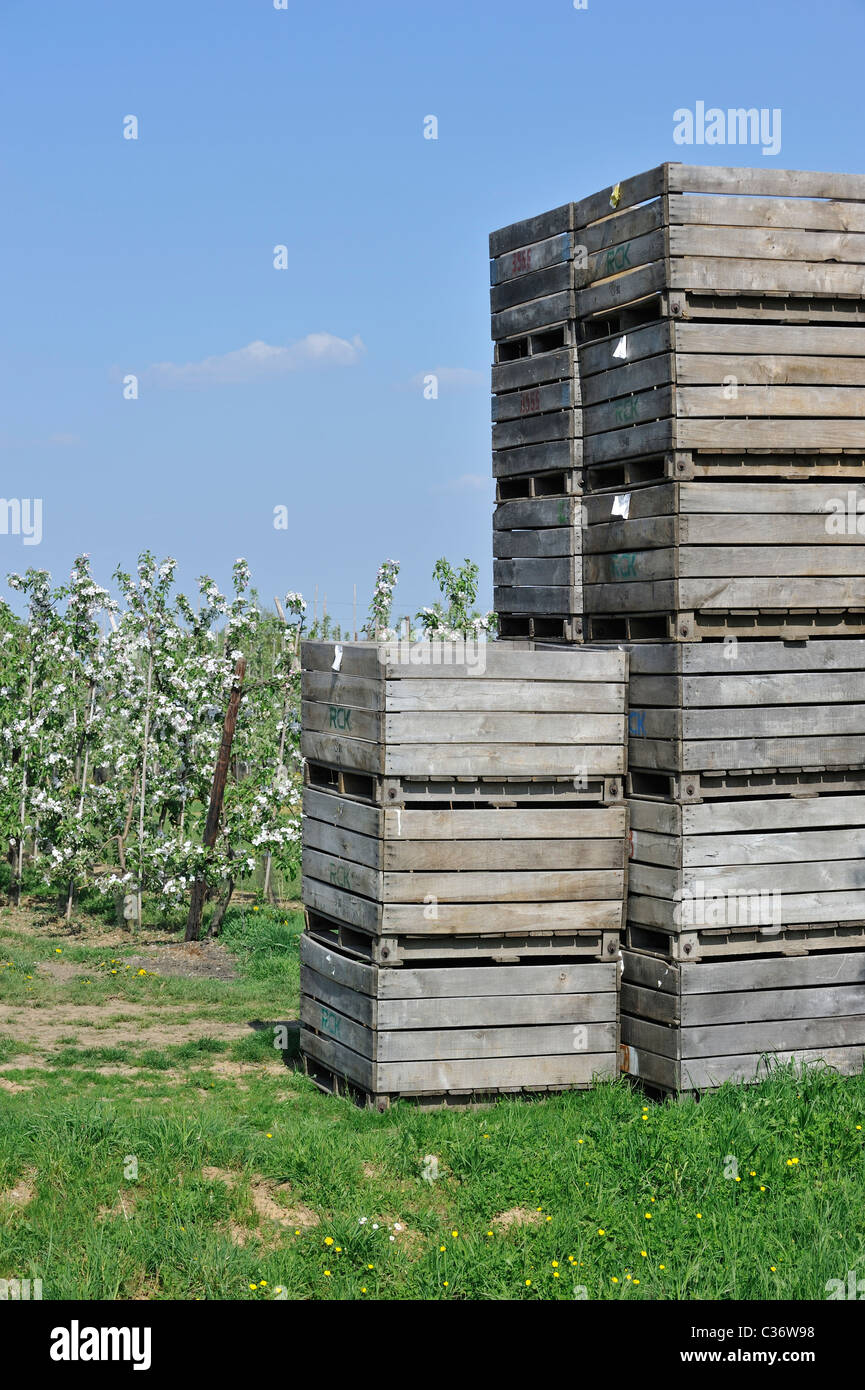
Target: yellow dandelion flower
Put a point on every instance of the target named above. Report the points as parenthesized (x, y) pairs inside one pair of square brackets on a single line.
[(362, 1290), (528, 1281), (446, 1283), (373, 1266), (615, 1280), (555, 1264), (636, 1281), (762, 1189), (753, 1174), (699, 1216), (648, 1215), (328, 1240), (555, 1274), (601, 1231), (773, 1269), (454, 1234), (269, 1136), (662, 1266), (489, 1233), (327, 1274), (262, 1283), (253, 1287), (738, 1179), (338, 1249)]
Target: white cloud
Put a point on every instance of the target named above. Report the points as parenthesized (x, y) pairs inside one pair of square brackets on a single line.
[(260, 361), (454, 378)]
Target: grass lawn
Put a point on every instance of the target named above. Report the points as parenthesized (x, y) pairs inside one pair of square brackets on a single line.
[(155, 1144)]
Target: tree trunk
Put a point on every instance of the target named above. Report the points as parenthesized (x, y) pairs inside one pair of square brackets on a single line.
[(214, 810)]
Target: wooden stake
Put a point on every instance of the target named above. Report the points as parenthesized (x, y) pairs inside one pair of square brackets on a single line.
[(214, 810), (354, 614)]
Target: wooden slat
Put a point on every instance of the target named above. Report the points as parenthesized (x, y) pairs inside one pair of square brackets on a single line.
[(575, 1069), (764, 182)]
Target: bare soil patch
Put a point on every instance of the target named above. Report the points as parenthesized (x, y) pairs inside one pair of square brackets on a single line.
[(516, 1216)]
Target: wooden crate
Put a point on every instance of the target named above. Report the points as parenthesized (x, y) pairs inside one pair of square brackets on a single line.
[(716, 399), (748, 867), (692, 1026), (700, 712), (704, 559), (686, 241), (473, 871), (408, 710), (456, 1030)]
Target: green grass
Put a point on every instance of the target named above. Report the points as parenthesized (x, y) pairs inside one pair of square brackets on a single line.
[(114, 1140)]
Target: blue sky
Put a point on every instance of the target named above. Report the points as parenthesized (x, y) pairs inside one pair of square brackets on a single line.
[(303, 127)]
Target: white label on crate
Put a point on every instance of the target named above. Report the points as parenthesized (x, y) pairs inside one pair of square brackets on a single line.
[(622, 505), (337, 658), (621, 348)]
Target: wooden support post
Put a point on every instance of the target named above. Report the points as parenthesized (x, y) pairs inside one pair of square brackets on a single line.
[(220, 774)]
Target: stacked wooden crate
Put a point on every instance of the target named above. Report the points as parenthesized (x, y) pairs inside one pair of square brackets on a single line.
[(720, 322), (464, 867)]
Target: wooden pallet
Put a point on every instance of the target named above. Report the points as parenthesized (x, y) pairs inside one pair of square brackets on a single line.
[(507, 948), (441, 791), (692, 1026), (458, 1029), (407, 710), (739, 398), (423, 872), (551, 482), (693, 788), (769, 865), (704, 559), (719, 943), (561, 631), (750, 708)]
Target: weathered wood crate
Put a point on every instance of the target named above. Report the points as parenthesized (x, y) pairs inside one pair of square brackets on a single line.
[(692, 1026), (410, 711), (467, 1031), (473, 871), (687, 241), (686, 400), (682, 561), (538, 563), (705, 717), (770, 872)]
